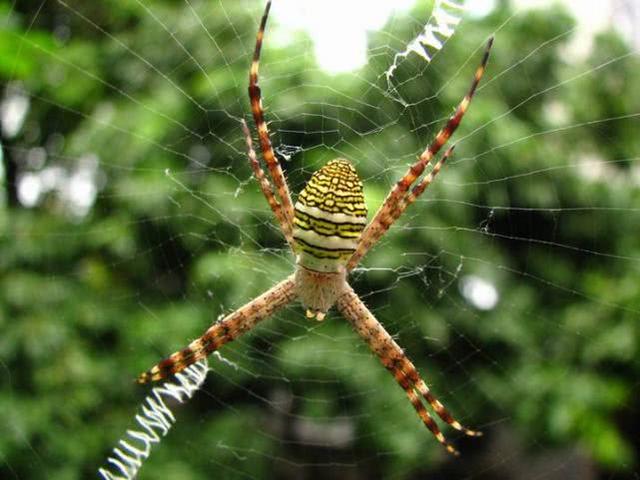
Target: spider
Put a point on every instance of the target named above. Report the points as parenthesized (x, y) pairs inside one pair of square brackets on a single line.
[(328, 233)]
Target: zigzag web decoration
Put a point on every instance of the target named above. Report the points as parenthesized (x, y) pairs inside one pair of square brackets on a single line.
[(154, 422), (442, 24)]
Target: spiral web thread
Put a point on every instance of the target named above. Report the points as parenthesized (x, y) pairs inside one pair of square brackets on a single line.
[(441, 26), (155, 422)]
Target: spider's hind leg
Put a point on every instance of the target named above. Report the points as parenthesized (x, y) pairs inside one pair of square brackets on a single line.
[(267, 188), (268, 154), (400, 197)]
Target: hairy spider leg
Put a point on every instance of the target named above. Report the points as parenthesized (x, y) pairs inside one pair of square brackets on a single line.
[(422, 186), (265, 186), (394, 359), (225, 331), (274, 167), (384, 217)]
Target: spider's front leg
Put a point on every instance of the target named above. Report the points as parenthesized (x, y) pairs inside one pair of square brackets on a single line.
[(228, 329), (394, 360)]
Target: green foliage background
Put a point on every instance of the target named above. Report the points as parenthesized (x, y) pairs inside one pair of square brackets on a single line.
[(176, 238)]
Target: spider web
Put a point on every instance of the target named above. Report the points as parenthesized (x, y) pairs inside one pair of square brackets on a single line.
[(133, 222)]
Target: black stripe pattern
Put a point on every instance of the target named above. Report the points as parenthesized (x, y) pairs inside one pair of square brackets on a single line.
[(330, 215)]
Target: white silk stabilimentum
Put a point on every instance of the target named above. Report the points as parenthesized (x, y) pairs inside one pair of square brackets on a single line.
[(441, 26), (155, 421)]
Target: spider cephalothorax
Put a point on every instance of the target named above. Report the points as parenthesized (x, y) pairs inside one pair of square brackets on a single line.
[(328, 233)]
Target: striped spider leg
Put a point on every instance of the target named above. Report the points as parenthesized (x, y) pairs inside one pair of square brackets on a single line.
[(224, 331), (246, 317), (328, 233), (399, 198), (354, 310), (275, 170), (267, 189), (396, 361)]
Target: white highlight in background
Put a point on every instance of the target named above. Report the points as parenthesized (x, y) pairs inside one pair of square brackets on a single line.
[(480, 8), (29, 189), (479, 292), (77, 188), (338, 28), (13, 111)]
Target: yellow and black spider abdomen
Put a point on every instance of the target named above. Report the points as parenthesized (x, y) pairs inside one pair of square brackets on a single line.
[(330, 215)]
